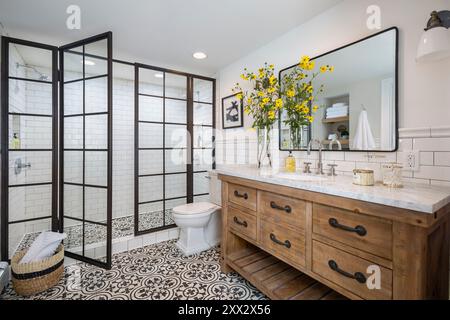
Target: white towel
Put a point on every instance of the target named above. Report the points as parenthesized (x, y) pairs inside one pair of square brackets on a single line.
[(337, 112), (363, 138), (333, 116), (4, 275), (339, 104), (343, 108), (44, 246)]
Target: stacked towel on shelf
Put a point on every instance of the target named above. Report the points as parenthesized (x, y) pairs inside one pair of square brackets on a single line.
[(337, 110)]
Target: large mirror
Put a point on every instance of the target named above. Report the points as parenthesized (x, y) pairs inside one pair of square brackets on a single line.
[(358, 107)]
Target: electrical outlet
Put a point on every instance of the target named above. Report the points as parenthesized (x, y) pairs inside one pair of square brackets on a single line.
[(411, 160)]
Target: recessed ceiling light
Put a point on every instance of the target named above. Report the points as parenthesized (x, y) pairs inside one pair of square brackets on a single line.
[(199, 55), (159, 75), (89, 62)]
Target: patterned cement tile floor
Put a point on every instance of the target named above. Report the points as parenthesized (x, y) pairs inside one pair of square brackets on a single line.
[(122, 227), (156, 272)]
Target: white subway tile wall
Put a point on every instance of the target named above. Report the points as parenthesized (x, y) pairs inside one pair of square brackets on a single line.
[(35, 132), (239, 146)]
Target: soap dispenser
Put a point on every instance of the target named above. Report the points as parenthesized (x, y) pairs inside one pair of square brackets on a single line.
[(290, 163), (15, 143)]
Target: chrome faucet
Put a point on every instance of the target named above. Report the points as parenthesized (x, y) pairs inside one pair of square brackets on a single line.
[(337, 142), (320, 163)]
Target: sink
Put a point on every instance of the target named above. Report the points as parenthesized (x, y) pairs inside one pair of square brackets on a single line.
[(300, 177)]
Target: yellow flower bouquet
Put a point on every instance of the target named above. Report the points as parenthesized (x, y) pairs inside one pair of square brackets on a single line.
[(263, 104), (298, 94)]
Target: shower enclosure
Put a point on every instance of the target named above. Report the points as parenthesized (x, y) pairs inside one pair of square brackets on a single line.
[(174, 143), (98, 148)]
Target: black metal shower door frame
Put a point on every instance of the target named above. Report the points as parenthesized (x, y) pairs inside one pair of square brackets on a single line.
[(5, 150), (189, 144), (108, 224)]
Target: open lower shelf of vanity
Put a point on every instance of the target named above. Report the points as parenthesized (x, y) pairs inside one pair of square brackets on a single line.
[(276, 279), (292, 243)]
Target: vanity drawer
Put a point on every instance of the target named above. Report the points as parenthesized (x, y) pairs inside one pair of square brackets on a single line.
[(283, 242), (281, 210), (242, 223), (243, 196), (349, 272), (370, 234)]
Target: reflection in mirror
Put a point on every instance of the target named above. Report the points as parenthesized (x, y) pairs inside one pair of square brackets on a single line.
[(358, 107)]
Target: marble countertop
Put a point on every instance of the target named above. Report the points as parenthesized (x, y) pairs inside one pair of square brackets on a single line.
[(417, 197)]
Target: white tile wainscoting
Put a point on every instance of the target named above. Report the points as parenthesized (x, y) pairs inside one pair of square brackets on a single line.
[(239, 146)]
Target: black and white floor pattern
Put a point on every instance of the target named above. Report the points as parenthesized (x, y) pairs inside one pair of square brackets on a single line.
[(122, 227), (156, 272)]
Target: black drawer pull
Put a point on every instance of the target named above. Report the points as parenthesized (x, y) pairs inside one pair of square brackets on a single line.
[(236, 194), (287, 209), (241, 223), (358, 276), (287, 243), (360, 230)]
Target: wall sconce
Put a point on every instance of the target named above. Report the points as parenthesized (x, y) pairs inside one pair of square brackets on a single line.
[(435, 42)]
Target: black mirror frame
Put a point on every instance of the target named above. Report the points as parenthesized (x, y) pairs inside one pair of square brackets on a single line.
[(396, 92)]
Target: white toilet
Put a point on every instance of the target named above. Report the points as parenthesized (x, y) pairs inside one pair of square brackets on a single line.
[(200, 223)]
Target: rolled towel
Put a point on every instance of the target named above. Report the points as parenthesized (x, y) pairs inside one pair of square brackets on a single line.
[(44, 246)]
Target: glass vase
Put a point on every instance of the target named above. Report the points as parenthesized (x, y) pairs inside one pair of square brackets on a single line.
[(298, 137), (265, 160)]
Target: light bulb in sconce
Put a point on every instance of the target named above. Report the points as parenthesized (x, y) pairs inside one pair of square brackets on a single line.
[(435, 42)]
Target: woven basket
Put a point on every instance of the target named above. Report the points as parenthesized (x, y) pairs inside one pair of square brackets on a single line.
[(34, 277)]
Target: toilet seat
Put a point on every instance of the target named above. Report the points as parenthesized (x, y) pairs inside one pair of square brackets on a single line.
[(198, 208)]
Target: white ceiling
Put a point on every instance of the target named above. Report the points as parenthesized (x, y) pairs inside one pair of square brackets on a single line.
[(165, 32)]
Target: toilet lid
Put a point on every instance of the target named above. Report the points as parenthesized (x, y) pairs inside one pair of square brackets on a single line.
[(195, 208)]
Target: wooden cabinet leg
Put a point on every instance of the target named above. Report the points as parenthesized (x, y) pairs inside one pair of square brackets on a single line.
[(224, 267)]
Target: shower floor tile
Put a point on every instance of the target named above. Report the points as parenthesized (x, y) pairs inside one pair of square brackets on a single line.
[(155, 272), (122, 227)]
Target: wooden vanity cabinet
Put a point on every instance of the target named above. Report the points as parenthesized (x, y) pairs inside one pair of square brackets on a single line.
[(296, 244)]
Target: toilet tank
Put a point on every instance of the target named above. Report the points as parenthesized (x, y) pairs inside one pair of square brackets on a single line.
[(215, 189)]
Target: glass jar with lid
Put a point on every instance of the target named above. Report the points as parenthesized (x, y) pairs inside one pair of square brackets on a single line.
[(392, 175)]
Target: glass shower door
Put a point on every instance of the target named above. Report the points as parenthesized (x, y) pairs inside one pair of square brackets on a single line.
[(86, 149), (29, 143), (174, 144), (203, 124), (161, 143)]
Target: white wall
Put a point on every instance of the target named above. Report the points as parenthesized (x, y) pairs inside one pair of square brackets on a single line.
[(346, 23), (424, 97)]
